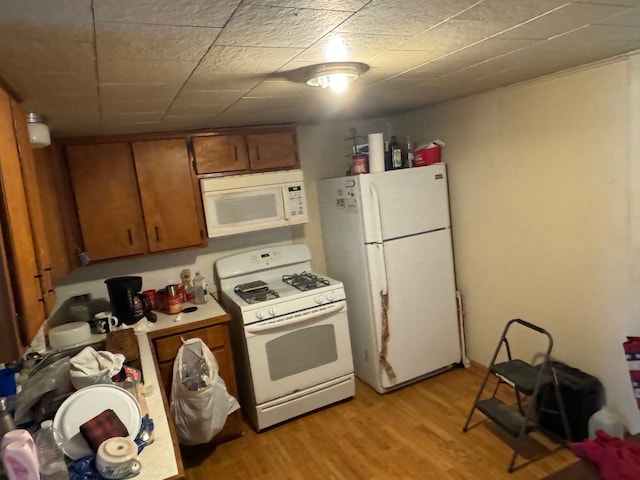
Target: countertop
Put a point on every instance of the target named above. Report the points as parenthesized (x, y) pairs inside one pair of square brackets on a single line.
[(159, 459)]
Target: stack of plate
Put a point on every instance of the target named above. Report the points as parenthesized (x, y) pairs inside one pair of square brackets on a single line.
[(85, 404)]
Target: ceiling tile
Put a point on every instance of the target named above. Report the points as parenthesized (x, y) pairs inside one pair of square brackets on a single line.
[(518, 11), (341, 47), (123, 41), (225, 97), (255, 25), (130, 128), (562, 20), (66, 21), (112, 92), (135, 106), (486, 49), (203, 80), (187, 122), (45, 84), (36, 56), (403, 17), (628, 3), (145, 71), (628, 18), (436, 69), (343, 5), (402, 61), (200, 13), (196, 110), (452, 35), (278, 88), (225, 59), (131, 118)]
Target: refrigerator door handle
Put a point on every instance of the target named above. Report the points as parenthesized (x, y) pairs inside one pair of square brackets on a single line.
[(377, 217), (380, 246)]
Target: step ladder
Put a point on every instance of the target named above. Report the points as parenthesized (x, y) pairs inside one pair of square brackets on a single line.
[(526, 380)]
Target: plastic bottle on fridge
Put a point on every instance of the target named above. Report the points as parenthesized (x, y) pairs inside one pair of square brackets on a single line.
[(50, 454), (200, 287)]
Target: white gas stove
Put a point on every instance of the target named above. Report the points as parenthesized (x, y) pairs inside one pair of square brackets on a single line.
[(289, 332)]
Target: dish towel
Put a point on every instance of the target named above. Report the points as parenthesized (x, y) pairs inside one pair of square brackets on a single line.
[(90, 367), (617, 459)]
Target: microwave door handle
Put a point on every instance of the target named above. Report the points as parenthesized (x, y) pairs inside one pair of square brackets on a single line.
[(266, 326), (285, 206)]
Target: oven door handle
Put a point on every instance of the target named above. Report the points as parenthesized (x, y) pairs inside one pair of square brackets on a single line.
[(266, 325)]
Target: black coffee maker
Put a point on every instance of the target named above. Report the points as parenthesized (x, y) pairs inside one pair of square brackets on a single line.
[(128, 304)]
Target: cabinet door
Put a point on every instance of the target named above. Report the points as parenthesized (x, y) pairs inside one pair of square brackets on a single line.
[(269, 151), (106, 193), (42, 236), (220, 153), (18, 243), (168, 190)]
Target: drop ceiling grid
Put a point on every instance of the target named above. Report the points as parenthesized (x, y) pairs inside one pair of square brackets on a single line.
[(167, 63)]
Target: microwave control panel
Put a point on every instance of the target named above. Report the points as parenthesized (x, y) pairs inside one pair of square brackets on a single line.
[(297, 204)]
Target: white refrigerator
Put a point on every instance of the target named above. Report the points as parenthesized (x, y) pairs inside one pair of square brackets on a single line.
[(387, 237)]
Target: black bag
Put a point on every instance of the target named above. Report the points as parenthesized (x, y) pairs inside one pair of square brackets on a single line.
[(582, 394)]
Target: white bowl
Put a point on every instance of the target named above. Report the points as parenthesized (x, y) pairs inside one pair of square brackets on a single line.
[(69, 334)]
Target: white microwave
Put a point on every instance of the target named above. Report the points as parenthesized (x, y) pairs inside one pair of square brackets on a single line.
[(246, 203)]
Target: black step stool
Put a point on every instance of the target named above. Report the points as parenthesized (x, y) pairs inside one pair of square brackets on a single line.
[(526, 379)]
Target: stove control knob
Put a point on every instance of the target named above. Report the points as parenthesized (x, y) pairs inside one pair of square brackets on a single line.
[(318, 299), (330, 296), (260, 314), (272, 311)]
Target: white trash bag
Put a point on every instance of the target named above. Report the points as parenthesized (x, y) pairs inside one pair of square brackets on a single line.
[(200, 402)]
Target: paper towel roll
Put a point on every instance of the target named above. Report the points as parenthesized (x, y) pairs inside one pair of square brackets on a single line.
[(376, 152)]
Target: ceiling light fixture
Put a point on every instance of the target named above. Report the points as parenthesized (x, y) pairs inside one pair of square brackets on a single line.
[(335, 75), (38, 131)]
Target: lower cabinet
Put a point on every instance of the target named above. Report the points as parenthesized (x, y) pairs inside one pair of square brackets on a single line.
[(215, 334)]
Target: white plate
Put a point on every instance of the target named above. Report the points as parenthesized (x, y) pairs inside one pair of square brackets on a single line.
[(85, 404)]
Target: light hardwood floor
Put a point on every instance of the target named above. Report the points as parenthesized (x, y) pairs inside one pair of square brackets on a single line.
[(411, 433)]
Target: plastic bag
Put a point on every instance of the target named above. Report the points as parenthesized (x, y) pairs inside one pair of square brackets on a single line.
[(198, 414), (52, 378)]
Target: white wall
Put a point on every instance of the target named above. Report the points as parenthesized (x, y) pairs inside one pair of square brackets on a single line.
[(544, 198)]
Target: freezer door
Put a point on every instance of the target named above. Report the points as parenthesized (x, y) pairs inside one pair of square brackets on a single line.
[(423, 333), (404, 202)]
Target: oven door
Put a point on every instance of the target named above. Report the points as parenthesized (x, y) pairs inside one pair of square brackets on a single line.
[(299, 352)]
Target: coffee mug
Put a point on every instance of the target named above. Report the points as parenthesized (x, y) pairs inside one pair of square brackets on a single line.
[(103, 322), (116, 458)]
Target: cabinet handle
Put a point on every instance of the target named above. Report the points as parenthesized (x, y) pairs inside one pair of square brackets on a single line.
[(130, 236), (235, 151), (157, 233), (49, 272)]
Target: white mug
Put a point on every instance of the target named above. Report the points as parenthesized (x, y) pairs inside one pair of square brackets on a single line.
[(103, 322), (117, 458)]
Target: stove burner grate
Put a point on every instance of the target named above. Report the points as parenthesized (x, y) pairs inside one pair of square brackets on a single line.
[(255, 293), (305, 281)]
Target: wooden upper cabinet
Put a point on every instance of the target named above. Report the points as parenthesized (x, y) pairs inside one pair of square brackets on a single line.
[(168, 190), (22, 280), (269, 151), (220, 153), (106, 193), (247, 152)]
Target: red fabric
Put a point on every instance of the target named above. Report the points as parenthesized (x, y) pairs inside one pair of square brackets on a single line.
[(617, 459)]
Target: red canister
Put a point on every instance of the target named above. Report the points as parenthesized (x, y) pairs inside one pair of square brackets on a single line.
[(182, 291), (151, 295), (359, 165)]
